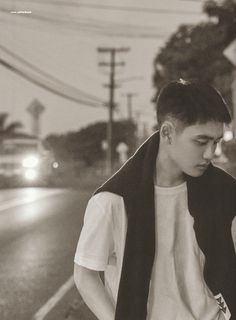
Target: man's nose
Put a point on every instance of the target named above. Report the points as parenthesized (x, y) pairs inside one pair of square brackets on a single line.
[(209, 152)]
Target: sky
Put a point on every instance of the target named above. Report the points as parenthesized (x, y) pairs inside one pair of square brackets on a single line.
[(53, 44)]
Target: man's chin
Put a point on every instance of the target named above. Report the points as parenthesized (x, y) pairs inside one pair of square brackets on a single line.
[(195, 173), (199, 174)]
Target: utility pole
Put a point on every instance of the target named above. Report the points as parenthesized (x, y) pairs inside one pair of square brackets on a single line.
[(129, 97), (112, 65)]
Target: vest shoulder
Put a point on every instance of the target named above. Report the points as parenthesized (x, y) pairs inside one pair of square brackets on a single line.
[(222, 176)]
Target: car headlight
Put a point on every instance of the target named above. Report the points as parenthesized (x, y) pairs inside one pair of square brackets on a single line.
[(30, 174), (30, 162)]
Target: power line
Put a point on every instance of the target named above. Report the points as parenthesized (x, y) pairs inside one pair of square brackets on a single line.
[(93, 23), (96, 33), (35, 68), (106, 28), (87, 73), (113, 8), (42, 84)]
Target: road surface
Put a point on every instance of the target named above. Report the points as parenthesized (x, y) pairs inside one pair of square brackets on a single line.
[(39, 229)]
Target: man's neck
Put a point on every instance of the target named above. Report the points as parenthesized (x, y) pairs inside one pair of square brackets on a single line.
[(167, 174)]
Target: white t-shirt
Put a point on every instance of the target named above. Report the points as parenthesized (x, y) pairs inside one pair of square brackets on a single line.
[(178, 290)]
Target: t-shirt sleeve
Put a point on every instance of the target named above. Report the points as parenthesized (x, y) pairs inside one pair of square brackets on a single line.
[(95, 244)]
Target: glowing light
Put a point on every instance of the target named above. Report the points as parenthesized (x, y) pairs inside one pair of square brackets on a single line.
[(31, 174), (30, 162), (55, 164), (228, 135)]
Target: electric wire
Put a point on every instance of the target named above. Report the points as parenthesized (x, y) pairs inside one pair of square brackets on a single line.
[(49, 57), (105, 29), (90, 22), (113, 7), (42, 84), (35, 68)]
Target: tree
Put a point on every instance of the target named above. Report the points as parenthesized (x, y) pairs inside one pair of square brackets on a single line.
[(7, 130), (196, 51), (85, 145)]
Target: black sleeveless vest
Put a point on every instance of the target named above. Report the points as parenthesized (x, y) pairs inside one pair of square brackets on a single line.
[(211, 202)]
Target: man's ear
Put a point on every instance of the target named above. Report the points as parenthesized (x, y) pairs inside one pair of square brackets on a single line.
[(166, 131)]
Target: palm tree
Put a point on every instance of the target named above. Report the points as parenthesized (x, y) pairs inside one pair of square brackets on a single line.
[(7, 130)]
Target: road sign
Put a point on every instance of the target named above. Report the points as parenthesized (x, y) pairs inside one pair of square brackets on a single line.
[(230, 52)]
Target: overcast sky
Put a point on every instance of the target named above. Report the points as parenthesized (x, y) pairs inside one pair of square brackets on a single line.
[(59, 38)]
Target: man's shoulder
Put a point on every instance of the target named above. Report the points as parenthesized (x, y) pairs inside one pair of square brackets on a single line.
[(107, 200), (106, 197)]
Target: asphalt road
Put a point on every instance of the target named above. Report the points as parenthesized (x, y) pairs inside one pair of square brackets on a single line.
[(39, 229)]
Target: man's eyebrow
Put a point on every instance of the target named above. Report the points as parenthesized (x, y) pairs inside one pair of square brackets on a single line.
[(207, 137)]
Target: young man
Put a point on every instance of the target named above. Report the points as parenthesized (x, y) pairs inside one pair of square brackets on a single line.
[(160, 228)]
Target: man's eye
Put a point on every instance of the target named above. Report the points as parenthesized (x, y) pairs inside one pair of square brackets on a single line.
[(201, 143)]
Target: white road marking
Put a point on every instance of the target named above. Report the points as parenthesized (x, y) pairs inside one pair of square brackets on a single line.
[(28, 199), (50, 304)]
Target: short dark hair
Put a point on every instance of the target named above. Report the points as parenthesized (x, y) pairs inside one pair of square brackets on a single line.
[(191, 102)]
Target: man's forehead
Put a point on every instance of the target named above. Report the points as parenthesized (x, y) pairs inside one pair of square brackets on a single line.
[(209, 130)]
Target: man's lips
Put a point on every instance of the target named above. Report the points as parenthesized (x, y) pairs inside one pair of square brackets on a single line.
[(203, 165)]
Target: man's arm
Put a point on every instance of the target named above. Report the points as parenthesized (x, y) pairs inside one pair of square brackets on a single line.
[(93, 292)]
